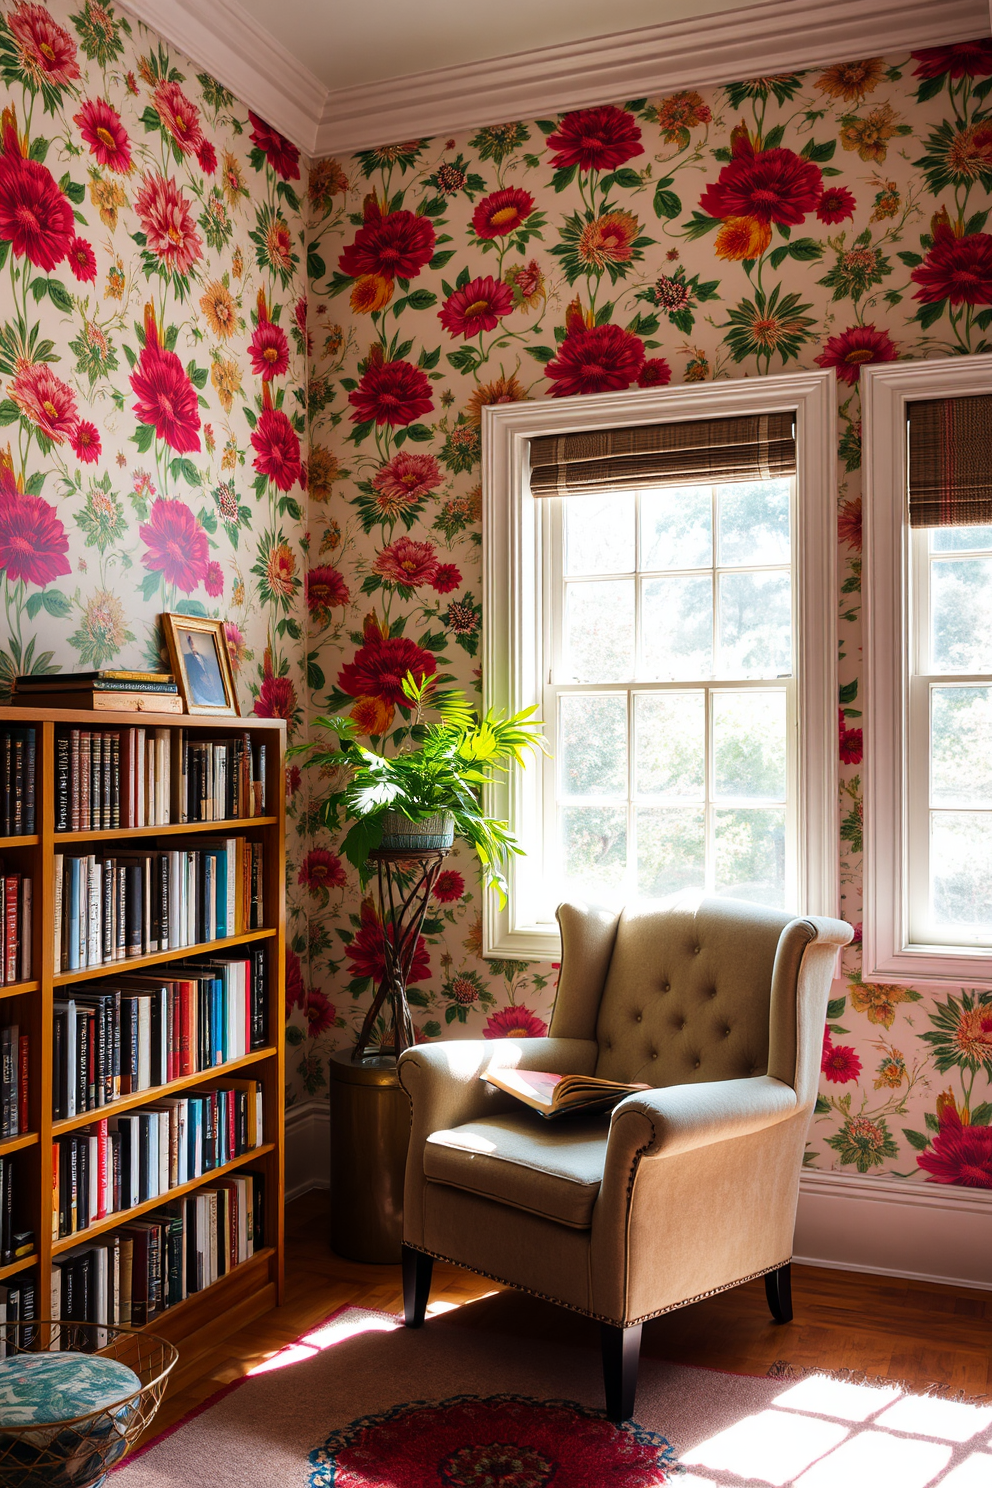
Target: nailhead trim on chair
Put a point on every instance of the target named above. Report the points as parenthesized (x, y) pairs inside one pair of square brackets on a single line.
[(600, 1317)]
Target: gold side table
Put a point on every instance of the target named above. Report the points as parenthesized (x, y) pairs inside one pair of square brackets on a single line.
[(370, 1134)]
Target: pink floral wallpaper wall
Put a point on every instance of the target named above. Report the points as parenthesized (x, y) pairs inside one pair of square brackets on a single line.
[(152, 358), (833, 218)]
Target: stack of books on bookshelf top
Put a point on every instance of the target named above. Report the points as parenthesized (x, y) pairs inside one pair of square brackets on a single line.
[(115, 691)]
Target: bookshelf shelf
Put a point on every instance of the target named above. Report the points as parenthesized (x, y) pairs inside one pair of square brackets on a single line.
[(157, 1092), (256, 1284)]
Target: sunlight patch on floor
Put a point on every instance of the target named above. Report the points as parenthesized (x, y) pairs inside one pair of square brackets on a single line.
[(333, 1332)]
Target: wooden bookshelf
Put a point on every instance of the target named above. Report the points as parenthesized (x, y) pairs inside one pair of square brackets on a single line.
[(255, 1285)]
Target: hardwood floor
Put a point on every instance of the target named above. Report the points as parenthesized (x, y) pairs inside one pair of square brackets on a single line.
[(905, 1330)]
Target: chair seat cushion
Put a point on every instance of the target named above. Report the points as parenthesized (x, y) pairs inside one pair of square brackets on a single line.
[(552, 1168)]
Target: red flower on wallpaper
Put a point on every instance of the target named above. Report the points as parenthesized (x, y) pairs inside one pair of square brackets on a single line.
[(595, 139), (179, 115), (268, 347), (377, 669), (849, 523), (276, 446), (166, 397), (326, 591), (955, 269), (45, 399), (322, 869), (851, 742), (85, 441), (406, 562), (33, 542), (502, 212), (82, 261), (366, 951), (959, 1154), (765, 185), (840, 1063), (514, 1022), (853, 349), (276, 698), (476, 307), (47, 51), (295, 990), (655, 373), (319, 1013), (407, 478), (164, 213), (597, 359), (103, 130), (836, 205), (446, 578), (394, 245), (213, 580), (965, 59), (176, 544), (281, 153), (449, 887), (35, 218), (395, 393)]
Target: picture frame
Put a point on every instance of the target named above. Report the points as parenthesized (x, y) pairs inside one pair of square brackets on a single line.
[(201, 663)]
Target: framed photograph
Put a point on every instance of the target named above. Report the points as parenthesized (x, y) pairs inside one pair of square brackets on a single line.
[(202, 664)]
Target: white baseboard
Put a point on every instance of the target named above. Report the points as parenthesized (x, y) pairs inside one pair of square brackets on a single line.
[(308, 1147)]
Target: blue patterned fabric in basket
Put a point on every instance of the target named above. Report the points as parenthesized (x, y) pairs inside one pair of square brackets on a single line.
[(50, 1389)]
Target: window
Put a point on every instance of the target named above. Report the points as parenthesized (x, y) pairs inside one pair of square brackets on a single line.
[(679, 641), (928, 654)]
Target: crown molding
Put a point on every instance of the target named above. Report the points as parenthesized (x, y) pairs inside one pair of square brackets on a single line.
[(772, 36)]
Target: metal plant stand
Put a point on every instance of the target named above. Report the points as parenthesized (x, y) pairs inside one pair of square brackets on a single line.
[(402, 907)]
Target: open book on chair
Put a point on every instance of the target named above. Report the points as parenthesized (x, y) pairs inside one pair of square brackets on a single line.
[(555, 1095)]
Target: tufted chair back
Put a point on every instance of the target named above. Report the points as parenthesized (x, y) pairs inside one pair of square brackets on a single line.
[(682, 991)]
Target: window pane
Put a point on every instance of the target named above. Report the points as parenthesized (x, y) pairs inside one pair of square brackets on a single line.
[(677, 623), (750, 855), (671, 850), (749, 744), (961, 746), (755, 625), (959, 539), (961, 615), (754, 522), (599, 631), (675, 528), (592, 746), (961, 869), (594, 846), (599, 534), (670, 747)]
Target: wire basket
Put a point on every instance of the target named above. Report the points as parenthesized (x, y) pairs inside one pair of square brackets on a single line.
[(78, 1452)]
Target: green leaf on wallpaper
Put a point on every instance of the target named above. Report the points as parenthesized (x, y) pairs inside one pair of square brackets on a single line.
[(982, 1115), (39, 288), (419, 433), (983, 319), (417, 997), (251, 417), (35, 483), (822, 1107), (361, 431), (428, 359), (976, 223), (149, 585), (72, 189), (931, 1120), (849, 691), (805, 250), (33, 605), (563, 178), (294, 1035), (39, 149), (9, 412), (627, 178), (916, 1139), (170, 338), (440, 259), (463, 278), (911, 995), (928, 314), (315, 675), (436, 207), (421, 299), (835, 1008), (151, 120), (4, 250), (546, 126), (819, 154), (542, 354), (699, 224), (56, 603), (197, 375), (930, 88), (191, 607), (144, 437), (316, 267), (186, 469), (774, 138), (666, 203), (463, 360), (288, 195)]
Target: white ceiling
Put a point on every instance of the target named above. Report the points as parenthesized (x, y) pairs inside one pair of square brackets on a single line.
[(349, 42)]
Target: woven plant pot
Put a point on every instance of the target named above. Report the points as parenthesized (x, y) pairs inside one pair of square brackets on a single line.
[(399, 833)]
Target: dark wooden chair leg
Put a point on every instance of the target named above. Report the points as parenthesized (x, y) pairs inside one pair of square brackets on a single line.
[(417, 1269), (778, 1290), (621, 1351)]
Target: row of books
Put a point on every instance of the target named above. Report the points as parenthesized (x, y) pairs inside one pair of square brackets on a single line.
[(111, 778), (13, 1081), (16, 904), (13, 1244), (119, 1162), (142, 1031), (113, 907), (17, 777), (18, 1304), (129, 1277)]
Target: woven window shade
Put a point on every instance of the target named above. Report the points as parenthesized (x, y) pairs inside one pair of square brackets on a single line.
[(950, 462), (699, 452)]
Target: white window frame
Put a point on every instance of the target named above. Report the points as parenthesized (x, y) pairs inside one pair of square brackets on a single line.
[(891, 789), (515, 611)]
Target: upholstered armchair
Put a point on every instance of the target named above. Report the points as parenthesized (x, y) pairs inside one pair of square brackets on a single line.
[(683, 1190)]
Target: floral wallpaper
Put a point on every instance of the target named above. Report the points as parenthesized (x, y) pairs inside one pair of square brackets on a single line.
[(152, 358), (833, 218)]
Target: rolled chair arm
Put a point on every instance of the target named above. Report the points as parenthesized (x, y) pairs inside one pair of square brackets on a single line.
[(676, 1118), (444, 1080)]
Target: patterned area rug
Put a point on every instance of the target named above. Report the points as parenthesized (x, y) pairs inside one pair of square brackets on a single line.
[(362, 1403)]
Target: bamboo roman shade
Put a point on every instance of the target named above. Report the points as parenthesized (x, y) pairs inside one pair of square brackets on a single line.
[(698, 452), (950, 462)]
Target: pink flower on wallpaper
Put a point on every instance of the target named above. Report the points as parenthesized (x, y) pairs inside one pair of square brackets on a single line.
[(959, 1154), (475, 308), (281, 154), (213, 579), (855, 348), (836, 205), (276, 698), (406, 562), (595, 139), (176, 545), (82, 261), (165, 215), (655, 373), (514, 1022), (33, 542), (166, 397), (179, 115), (367, 951), (326, 591), (446, 578), (322, 869), (851, 749), (764, 185), (408, 477), (35, 217), (840, 1063), (319, 1013), (449, 887), (502, 212), (47, 51), (85, 440), (45, 399), (964, 59), (391, 245), (268, 347), (393, 393), (206, 158), (295, 990), (377, 669), (103, 131), (277, 448), (597, 359), (849, 523), (236, 646), (957, 269)]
